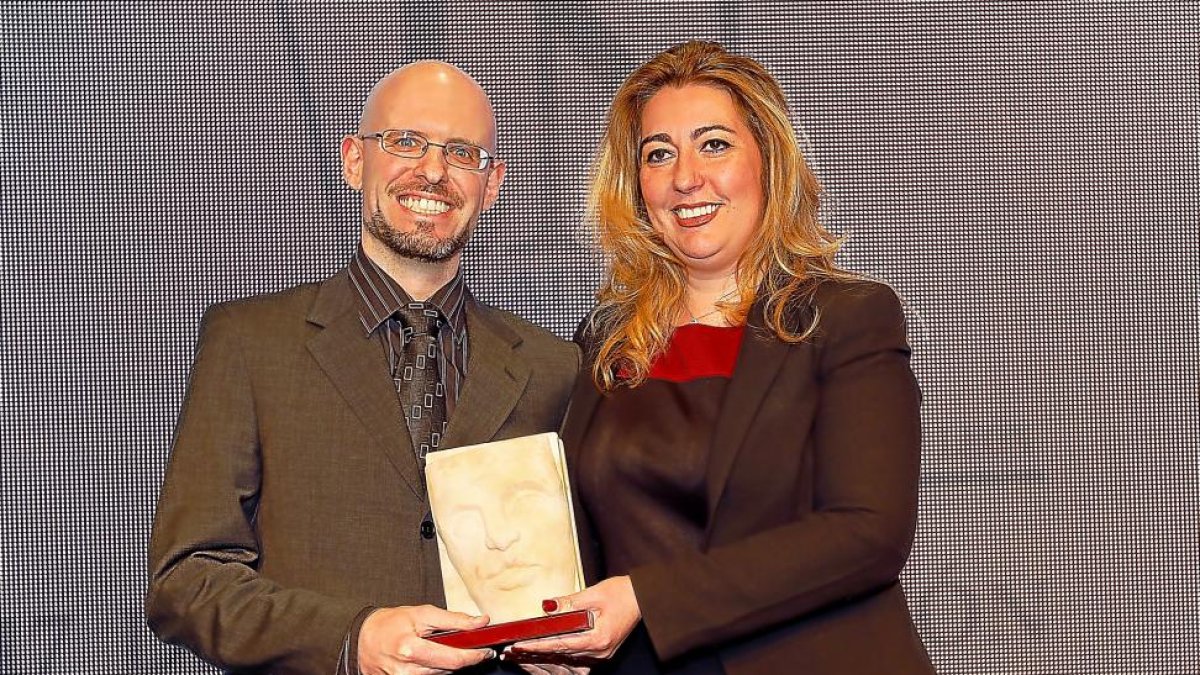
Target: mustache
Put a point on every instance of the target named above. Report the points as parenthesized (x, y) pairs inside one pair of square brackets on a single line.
[(443, 190)]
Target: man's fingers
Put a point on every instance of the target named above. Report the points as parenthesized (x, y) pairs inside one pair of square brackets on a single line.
[(433, 655), (432, 618)]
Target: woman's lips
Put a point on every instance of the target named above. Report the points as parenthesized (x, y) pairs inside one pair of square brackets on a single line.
[(689, 215)]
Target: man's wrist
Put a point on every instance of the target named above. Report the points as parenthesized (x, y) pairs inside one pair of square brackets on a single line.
[(349, 658)]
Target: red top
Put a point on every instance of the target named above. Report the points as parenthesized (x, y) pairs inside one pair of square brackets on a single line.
[(698, 350)]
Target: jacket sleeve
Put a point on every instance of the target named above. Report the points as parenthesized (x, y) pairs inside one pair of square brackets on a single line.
[(205, 591), (865, 440)]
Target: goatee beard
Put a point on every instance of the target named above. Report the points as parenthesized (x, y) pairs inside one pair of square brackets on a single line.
[(420, 244)]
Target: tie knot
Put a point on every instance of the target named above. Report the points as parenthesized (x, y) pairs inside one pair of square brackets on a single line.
[(419, 318)]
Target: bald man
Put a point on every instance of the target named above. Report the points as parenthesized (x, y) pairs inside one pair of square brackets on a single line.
[(293, 532)]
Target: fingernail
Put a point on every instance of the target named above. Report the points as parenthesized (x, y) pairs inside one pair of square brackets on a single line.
[(491, 653), (549, 605)]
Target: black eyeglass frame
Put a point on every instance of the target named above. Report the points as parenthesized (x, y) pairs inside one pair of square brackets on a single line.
[(485, 158)]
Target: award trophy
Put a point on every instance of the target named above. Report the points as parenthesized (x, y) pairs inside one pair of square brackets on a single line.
[(506, 538)]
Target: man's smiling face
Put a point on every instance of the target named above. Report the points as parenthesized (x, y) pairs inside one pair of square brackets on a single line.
[(423, 208)]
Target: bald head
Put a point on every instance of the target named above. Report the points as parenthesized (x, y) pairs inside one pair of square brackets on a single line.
[(419, 210), (433, 86)]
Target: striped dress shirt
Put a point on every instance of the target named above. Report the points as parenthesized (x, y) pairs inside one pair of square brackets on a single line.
[(379, 296)]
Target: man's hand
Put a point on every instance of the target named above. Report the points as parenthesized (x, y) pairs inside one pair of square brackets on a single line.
[(615, 611), (391, 641)]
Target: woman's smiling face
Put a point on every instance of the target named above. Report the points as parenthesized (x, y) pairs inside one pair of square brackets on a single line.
[(700, 173)]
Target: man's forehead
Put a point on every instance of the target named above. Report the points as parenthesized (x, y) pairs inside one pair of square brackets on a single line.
[(433, 98), (438, 129)]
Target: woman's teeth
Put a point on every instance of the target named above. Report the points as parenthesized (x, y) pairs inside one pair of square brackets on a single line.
[(696, 212)]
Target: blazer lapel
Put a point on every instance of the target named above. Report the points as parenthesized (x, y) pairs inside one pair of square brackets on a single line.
[(585, 398), (759, 362), (357, 366), (496, 377)]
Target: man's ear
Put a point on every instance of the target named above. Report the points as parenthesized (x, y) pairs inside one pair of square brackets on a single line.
[(352, 161), (494, 180)]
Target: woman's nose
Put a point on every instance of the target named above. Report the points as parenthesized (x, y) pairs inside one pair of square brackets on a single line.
[(686, 176)]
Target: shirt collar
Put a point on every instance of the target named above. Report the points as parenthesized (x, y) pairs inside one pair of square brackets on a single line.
[(379, 296)]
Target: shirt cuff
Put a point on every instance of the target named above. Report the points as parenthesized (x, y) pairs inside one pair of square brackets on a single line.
[(348, 661)]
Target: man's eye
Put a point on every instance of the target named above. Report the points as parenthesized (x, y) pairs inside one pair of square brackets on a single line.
[(406, 142), (658, 156), (462, 151)]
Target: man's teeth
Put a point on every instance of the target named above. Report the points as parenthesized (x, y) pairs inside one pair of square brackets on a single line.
[(426, 206), (697, 211)]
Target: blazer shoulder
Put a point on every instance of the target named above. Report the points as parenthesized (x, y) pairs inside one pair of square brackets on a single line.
[(850, 299), (857, 317), (266, 316), (293, 300)]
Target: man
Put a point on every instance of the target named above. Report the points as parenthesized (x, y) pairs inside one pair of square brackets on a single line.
[(293, 532)]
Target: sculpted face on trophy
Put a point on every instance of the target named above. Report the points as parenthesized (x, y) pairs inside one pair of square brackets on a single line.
[(505, 525)]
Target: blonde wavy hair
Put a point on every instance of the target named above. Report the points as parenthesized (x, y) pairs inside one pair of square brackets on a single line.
[(644, 284)]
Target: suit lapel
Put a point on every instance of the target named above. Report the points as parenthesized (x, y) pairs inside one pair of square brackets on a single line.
[(496, 377), (758, 364), (357, 366)]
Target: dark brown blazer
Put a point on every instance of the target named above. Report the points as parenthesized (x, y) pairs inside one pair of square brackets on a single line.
[(293, 499), (812, 499)]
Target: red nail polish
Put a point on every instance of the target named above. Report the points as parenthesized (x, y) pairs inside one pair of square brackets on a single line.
[(549, 606)]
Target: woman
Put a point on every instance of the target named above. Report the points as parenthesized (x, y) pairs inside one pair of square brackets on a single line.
[(745, 445)]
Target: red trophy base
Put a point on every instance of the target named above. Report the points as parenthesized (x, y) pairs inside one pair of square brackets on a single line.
[(516, 631)]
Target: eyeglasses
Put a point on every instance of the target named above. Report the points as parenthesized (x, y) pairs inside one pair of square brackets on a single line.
[(411, 145)]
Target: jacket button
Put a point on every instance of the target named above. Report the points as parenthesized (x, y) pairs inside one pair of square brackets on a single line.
[(427, 529)]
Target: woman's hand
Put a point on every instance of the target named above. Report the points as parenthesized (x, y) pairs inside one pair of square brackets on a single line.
[(614, 610)]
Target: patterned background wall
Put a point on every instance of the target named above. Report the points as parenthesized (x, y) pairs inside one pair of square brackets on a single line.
[(1024, 174)]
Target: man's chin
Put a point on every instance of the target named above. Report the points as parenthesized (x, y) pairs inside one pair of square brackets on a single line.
[(420, 243), (427, 250)]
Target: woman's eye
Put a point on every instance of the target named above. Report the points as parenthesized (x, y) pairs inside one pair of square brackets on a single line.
[(715, 145), (658, 156)]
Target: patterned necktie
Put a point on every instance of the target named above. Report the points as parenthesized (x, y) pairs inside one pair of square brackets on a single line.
[(417, 377)]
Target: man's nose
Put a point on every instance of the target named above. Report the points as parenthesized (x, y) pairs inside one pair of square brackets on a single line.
[(432, 165)]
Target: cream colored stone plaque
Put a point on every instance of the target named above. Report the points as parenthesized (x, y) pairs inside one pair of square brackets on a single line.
[(505, 526)]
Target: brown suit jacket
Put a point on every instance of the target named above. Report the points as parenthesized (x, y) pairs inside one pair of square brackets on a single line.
[(812, 497), (293, 499)]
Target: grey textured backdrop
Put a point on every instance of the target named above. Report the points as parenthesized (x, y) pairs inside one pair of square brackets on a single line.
[(1024, 174)]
